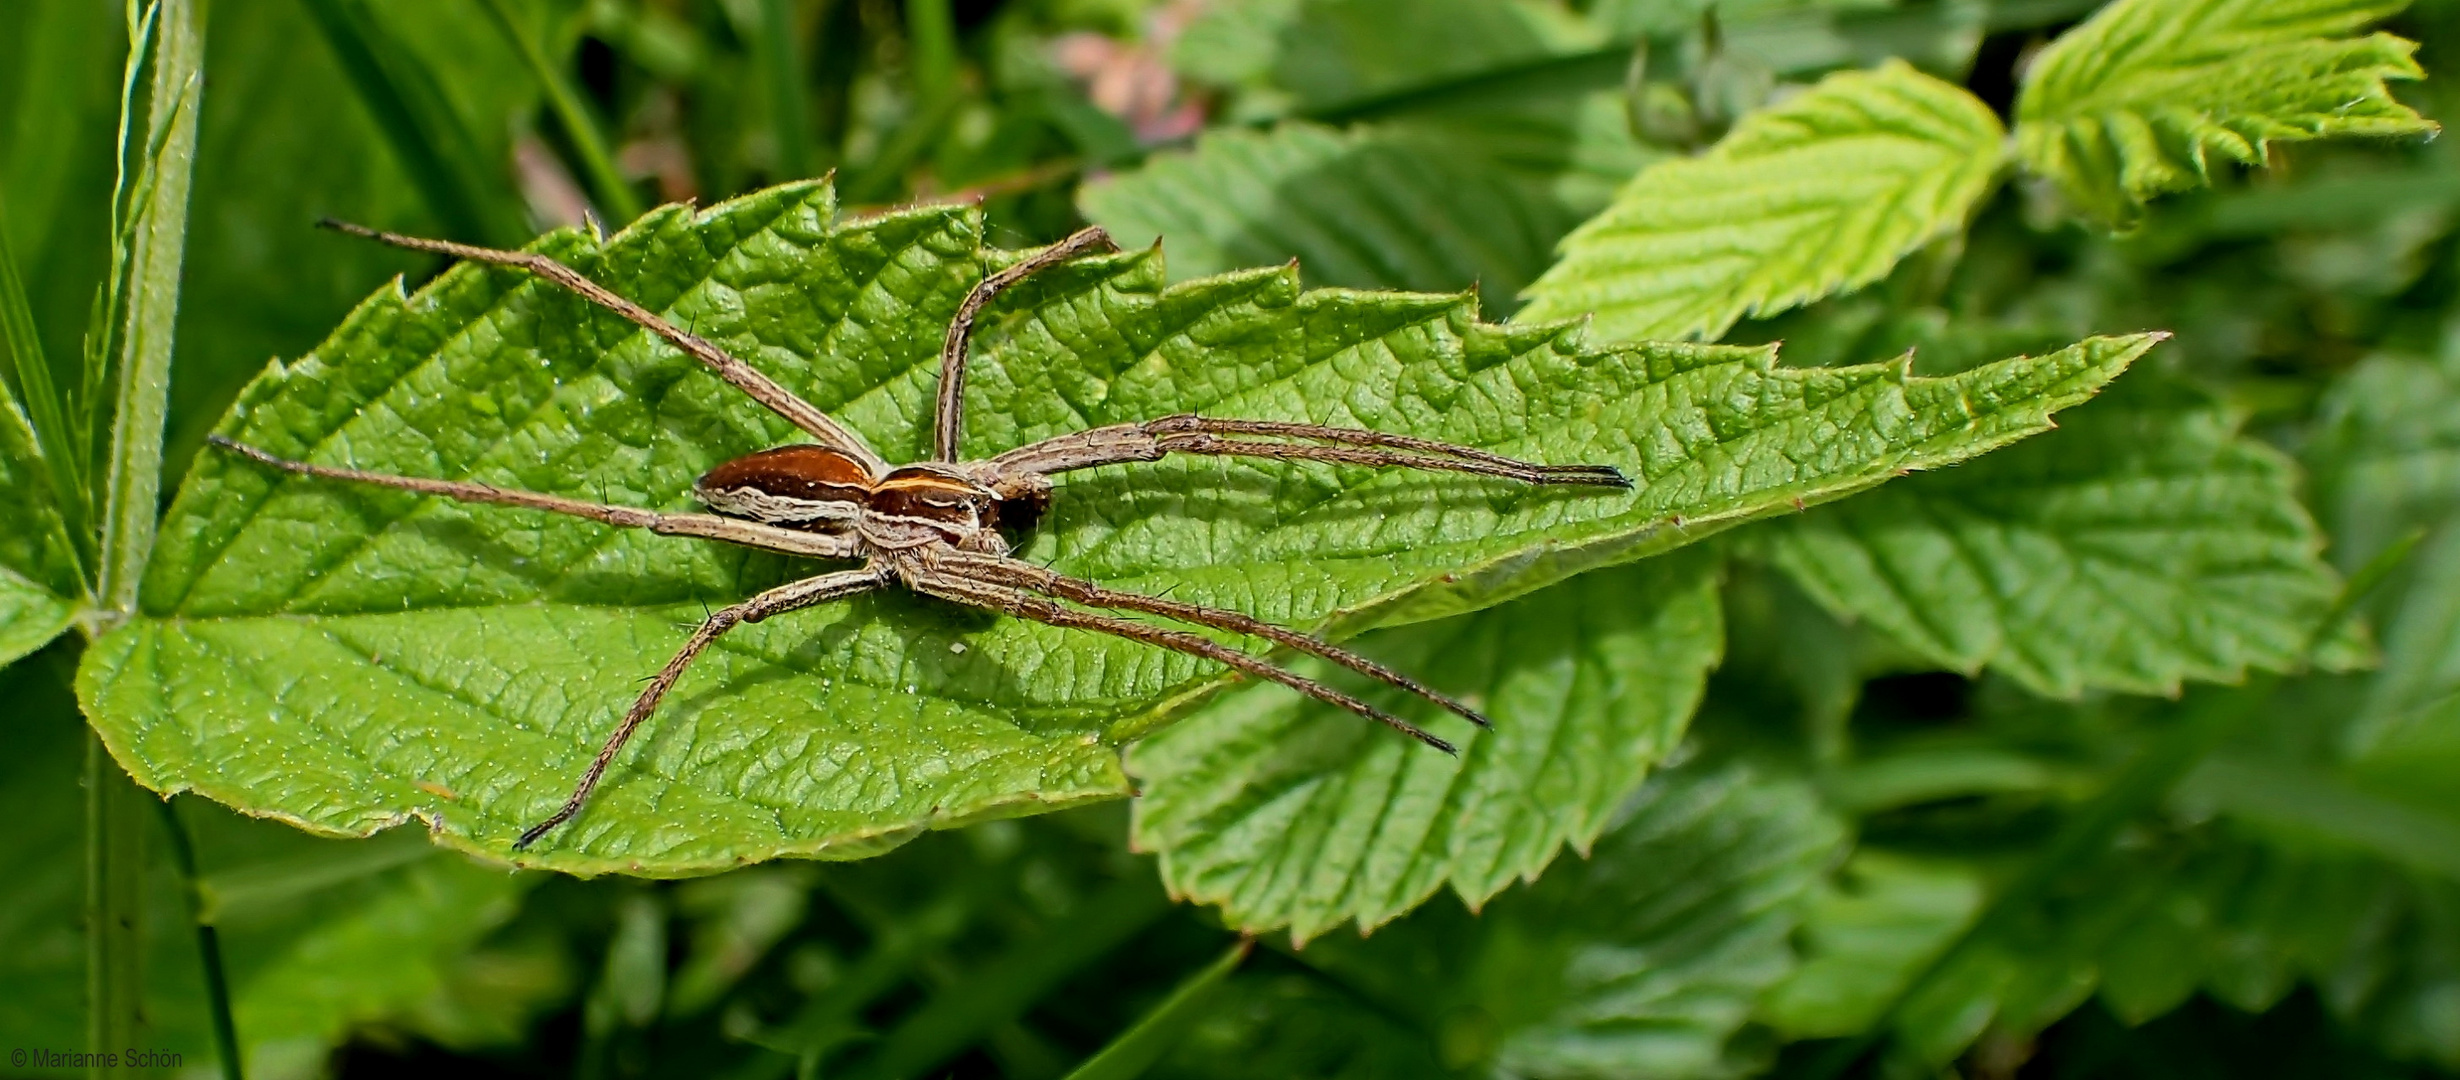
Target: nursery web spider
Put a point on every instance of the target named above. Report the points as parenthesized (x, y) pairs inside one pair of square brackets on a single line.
[(935, 526)]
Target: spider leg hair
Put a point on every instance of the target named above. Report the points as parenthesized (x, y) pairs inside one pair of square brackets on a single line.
[(948, 428), (745, 377), (1151, 440), (1079, 591), (1011, 600), (705, 526), (810, 591)]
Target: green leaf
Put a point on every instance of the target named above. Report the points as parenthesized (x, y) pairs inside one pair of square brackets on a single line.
[(2386, 452), (343, 657), (2145, 544), (1389, 206), (1823, 192), (1643, 960), (1315, 56), (30, 616), (2139, 100), (1286, 815), (2215, 911), (1865, 933)]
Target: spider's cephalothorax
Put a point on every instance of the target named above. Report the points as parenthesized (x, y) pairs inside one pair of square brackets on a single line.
[(935, 527)]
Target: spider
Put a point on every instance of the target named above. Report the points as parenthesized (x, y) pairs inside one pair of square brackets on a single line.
[(939, 527)]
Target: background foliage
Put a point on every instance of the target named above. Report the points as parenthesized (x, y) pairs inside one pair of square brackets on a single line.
[(2127, 749)]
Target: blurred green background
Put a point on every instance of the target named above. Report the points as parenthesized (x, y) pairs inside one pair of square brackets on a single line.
[(2291, 908)]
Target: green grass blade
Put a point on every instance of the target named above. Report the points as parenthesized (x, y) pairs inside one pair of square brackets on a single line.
[(1003, 989), (1129, 1055), (435, 148), (148, 305), (931, 31), (781, 65), (615, 196), (43, 412)]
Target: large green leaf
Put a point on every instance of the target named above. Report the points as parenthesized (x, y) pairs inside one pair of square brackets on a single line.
[(1823, 192), (2139, 99), (2145, 543), (1286, 815), (1643, 960), (343, 657)]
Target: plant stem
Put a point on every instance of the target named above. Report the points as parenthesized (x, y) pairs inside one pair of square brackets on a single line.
[(614, 195), (157, 226), (208, 943), (114, 906), (167, 39), (1135, 1050)]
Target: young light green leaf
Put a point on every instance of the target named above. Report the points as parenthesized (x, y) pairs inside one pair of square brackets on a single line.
[(1823, 192), (1287, 816), (343, 657), (2138, 100), (1643, 960), (2145, 544)]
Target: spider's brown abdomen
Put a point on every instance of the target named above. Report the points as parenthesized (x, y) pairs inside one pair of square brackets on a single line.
[(807, 486)]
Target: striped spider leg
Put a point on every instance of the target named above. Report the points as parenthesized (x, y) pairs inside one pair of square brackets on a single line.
[(936, 527)]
